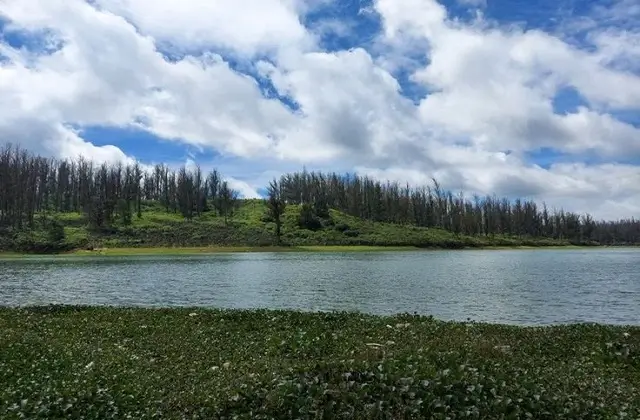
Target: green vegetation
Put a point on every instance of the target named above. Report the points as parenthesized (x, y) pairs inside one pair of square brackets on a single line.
[(248, 230), (68, 362), (227, 249), (48, 205)]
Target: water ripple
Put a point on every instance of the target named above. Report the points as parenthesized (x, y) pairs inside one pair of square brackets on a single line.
[(517, 287)]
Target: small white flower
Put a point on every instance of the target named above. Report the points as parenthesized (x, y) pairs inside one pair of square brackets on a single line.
[(626, 335), (226, 365), (193, 314), (89, 366)]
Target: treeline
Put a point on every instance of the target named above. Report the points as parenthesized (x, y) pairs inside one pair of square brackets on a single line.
[(432, 207), (31, 187)]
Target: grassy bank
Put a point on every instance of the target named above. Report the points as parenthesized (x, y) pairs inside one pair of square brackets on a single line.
[(248, 229), (301, 248), (235, 249), (193, 363), (210, 250)]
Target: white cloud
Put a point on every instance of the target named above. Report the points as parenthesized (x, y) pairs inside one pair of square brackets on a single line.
[(359, 110), (244, 189), (491, 90), (199, 99), (248, 28), (497, 87)]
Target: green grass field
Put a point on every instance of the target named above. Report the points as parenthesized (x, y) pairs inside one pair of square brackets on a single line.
[(247, 230), (96, 363)]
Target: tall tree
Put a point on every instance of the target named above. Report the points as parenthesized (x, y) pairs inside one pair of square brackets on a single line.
[(276, 206), (228, 198)]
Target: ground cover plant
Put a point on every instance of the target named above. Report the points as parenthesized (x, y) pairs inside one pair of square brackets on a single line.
[(71, 362)]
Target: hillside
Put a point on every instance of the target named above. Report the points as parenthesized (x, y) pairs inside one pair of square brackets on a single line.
[(247, 227), (49, 205)]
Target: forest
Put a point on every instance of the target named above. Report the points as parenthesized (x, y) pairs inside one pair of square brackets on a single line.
[(36, 190)]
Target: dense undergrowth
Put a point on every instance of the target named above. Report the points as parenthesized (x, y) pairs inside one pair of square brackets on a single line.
[(68, 362), (248, 227)]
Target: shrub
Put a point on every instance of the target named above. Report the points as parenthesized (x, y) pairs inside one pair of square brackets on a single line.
[(55, 231), (308, 219), (342, 227)]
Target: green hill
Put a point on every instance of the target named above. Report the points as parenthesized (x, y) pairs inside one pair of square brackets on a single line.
[(248, 227), (49, 205)]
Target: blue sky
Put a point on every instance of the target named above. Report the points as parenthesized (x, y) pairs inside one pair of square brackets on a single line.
[(539, 98), (361, 31)]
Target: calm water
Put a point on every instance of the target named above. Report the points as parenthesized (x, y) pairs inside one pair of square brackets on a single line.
[(519, 287)]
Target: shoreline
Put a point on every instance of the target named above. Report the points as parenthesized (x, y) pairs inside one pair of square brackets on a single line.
[(142, 251), (72, 309)]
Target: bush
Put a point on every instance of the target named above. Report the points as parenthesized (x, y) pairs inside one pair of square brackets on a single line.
[(321, 209), (328, 222), (342, 227), (40, 242), (308, 219), (55, 231), (351, 233)]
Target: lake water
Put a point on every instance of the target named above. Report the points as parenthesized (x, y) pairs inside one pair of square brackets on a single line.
[(513, 286)]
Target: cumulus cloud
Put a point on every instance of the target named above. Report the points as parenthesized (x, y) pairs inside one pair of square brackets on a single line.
[(252, 27), (252, 82)]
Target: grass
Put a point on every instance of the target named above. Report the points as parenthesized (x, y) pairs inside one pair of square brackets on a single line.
[(175, 251), (226, 249), (68, 362), (249, 231)]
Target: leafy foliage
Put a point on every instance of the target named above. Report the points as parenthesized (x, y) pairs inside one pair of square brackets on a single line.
[(251, 226), (67, 362), (308, 218), (55, 231)]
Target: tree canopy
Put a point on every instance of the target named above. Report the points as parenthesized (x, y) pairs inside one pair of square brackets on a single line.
[(33, 187)]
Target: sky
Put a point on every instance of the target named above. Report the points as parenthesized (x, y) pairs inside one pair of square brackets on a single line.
[(538, 99)]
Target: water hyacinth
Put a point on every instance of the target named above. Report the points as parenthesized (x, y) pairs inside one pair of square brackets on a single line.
[(63, 362)]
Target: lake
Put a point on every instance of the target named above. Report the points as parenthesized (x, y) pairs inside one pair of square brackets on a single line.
[(524, 287)]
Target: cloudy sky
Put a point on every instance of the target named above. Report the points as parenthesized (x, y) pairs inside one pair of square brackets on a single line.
[(531, 98)]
